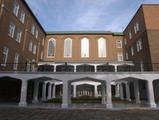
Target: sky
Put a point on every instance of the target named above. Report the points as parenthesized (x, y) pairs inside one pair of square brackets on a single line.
[(85, 15)]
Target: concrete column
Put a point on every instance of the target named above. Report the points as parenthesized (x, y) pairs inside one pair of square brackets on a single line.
[(137, 92), (121, 91), (75, 68), (95, 68), (95, 91), (36, 90), (54, 91), (65, 96), (116, 68), (109, 95), (74, 91), (44, 92), (117, 94), (49, 91), (127, 91), (23, 94), (69, 94), (150, 91), (103, 94), (55, 68)]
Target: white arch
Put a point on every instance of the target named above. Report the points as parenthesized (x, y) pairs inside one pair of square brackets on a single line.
[(51, 48), (68, 47)]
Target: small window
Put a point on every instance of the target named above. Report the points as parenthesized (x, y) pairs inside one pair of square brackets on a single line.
[(136, 27), (11, 30), (34, 49), (15, 8), (30, 46), (132, 51), (120, 56), (139, 45), (130, 35), (36, 35), (119, 44), (51, 47), (19, 36), (16, 60), (5, 56), (33, 29), (22, 16)]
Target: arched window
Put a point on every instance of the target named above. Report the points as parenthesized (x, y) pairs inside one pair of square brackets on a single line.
[(68, 47), (101, 47), (85, 47), (51, 47)]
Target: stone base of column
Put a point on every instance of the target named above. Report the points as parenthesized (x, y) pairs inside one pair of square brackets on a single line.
[(64, 106), (109, 106), (22, 104), (152, 105)]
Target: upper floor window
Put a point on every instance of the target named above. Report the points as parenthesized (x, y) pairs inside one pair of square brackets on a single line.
[(30, 46), (16, 60), (85, 47), (101, 47), (11, 29), (19, 36), (136, 27), (139, 45), (120, 56), (15, 8), (33, 29), (34, 49), (126, 55), (125, 41), (36, 34), (5, 56), (130, 35), (68, 47), (119, 44), (51, 47), (132, 51), (22, 16)]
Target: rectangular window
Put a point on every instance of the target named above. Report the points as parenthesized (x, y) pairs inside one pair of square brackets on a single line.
[(33, 29), (136, 27), (22, 16), (34, 49), (19, 36), (120, 56), (15, 8), (119, 44), (11, 30), (139, 45), (5, 56), (85, 47), (16, 60), (102, 47), (132, 51), (36, 35), (130, 35)]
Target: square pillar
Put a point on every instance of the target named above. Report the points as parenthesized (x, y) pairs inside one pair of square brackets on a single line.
[(150, 91), (36, 90), (103, 93), (65, 96), (54, 91), (137, 92), (75, 68), (55, 68), (109, 95), (121, 91), (23, 94), (127, 91), (44, 92), (95, 68), (117, 90), (95, 91), (74, 91), (49, 91)]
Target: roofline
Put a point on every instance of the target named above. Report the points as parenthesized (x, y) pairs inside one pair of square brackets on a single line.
[(84, 33), (141, 6), (26, 4)]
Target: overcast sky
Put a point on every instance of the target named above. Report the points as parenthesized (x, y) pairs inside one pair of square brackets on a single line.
[(85, 15)]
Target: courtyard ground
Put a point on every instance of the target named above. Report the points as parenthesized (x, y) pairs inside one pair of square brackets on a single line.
[(16, 113)]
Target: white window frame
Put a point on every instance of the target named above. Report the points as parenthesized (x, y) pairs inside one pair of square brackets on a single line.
[(11, 30), (137, 27), (19, 36), (22, 16), (30, 48), (16, 61), (5, 56), (68, 49), (36, 34), (84, 47), (34, 49), (54, 43), (120, 56), (16, 8), (119, 44), (139, 45), (102, 48)]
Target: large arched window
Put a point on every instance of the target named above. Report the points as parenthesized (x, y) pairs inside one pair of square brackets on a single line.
[(51, 47), (68, 47), (101, 47), (85, 47)]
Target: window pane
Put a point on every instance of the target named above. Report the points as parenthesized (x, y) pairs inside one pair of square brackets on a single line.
[(85, 47), (101, 47), (68, 47)]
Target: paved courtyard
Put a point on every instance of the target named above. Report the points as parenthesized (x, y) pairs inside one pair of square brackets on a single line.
[(15, 113)]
